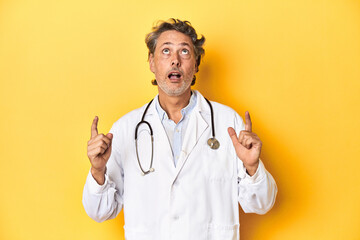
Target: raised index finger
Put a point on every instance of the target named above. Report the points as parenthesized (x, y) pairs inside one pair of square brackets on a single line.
[(94, 131), (248, 124)]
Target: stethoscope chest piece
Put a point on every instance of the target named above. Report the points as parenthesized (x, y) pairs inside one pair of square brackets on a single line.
[(213, 143)]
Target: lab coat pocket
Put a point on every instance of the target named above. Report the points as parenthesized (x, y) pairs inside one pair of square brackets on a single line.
[(218, 164), (223, 232)]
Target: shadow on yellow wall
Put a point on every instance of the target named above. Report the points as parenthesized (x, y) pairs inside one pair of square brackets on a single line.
[(292, 178)]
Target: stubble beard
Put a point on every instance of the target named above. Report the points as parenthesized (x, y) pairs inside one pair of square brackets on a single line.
[(171, 91)]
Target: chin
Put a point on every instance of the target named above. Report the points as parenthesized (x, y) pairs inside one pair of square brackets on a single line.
[(174, 91)]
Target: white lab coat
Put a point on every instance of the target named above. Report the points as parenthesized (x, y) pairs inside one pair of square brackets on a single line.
[(198, 199)]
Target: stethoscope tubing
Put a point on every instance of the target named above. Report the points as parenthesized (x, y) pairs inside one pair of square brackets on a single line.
[(212, 142)]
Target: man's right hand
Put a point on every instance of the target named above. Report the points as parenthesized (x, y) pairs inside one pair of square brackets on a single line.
[(98, 151)]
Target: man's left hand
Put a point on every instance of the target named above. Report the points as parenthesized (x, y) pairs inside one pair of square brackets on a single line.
[(247, 146)]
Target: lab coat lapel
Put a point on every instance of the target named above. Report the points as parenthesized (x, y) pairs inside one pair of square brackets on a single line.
[(163, 157), (196, 127)]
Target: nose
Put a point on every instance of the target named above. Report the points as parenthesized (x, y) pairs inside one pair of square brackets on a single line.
[(175, 61)]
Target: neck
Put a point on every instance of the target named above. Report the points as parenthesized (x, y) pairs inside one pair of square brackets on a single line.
[(172, 105)]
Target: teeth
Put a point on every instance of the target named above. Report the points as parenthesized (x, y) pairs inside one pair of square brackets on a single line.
[(174, 74)]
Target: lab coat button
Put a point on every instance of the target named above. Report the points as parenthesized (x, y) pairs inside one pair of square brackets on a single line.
[(176, 217)]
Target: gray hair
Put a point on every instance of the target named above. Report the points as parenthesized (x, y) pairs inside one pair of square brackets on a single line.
[(180, 26)]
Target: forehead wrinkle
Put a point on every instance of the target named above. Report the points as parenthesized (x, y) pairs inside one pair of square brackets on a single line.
[(167, 43), (181, 44)]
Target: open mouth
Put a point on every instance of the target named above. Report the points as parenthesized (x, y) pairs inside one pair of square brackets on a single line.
[(174, 76)]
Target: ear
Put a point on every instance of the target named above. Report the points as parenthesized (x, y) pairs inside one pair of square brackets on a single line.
[(151, 63)]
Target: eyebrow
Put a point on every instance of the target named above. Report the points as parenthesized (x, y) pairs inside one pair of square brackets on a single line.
[(170, 43)]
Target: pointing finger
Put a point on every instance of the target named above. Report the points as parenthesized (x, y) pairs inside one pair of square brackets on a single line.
[(94, 131), (248, 124), (232, 135)]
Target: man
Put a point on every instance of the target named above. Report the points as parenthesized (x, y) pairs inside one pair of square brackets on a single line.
[(187, 183)]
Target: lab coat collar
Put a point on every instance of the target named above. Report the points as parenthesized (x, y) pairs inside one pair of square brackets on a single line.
[(186, 110), (201, 105)]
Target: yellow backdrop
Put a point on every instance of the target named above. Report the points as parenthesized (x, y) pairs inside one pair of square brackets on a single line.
[(295, 65)]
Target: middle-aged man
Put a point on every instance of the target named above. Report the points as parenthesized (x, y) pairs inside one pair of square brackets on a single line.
[(203, 161)]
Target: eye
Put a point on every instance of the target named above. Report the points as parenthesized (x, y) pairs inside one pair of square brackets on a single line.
[(185, 51), (165, 51)]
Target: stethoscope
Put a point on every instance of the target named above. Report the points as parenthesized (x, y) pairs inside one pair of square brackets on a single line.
[(212, 142)]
